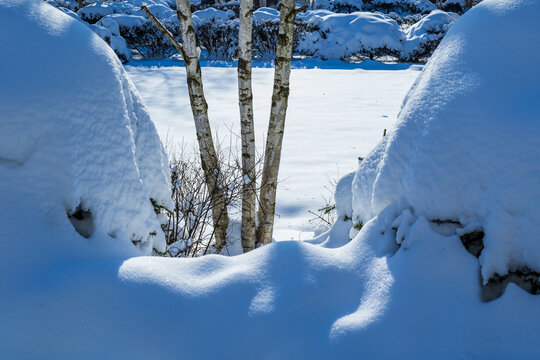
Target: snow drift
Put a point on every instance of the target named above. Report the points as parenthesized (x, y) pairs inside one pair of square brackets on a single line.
[(76, 143), (368, 299)]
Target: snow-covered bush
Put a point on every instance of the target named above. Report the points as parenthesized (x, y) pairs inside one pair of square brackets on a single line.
[(93, 12), (217, 33), (69, 12), (465, 152), (457, 6), (79, 155), (265, 30), (233, 5), (408, 20), (342, 36), (423, 37), (402, 7), (108, 30), (72, 5), (144, 37), (338, 6)]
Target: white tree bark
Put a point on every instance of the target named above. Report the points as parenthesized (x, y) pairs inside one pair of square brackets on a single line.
[(245, 96), (199, 109), (276, 126)]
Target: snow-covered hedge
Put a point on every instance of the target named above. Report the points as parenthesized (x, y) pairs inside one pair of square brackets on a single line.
[(407, 30), (402, 7)]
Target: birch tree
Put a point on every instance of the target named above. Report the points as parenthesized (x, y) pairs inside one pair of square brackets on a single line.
[(276, 125), (245, 97), (209, 160), (251, 236), (199, 108)]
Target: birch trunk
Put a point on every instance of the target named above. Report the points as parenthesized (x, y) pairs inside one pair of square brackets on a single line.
[(199, 107), (245, 97), (276, 126)]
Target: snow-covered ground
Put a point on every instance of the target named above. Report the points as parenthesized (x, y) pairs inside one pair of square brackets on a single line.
[(320, 142)]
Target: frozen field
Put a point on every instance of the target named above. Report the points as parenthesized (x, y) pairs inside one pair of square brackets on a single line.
[(334, 116)]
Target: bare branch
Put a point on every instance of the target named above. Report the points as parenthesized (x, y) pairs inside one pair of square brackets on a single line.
[(164, 30)]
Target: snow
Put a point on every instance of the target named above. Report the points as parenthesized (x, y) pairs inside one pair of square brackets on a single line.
[(161, 11), (317, 140), (109, 23), (127, 21), (466, 145), (210, 14), (74, 134), (73, 126), (265, 14)]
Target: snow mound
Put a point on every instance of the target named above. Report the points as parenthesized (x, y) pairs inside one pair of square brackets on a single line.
[(466, 147), (78, 151)]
